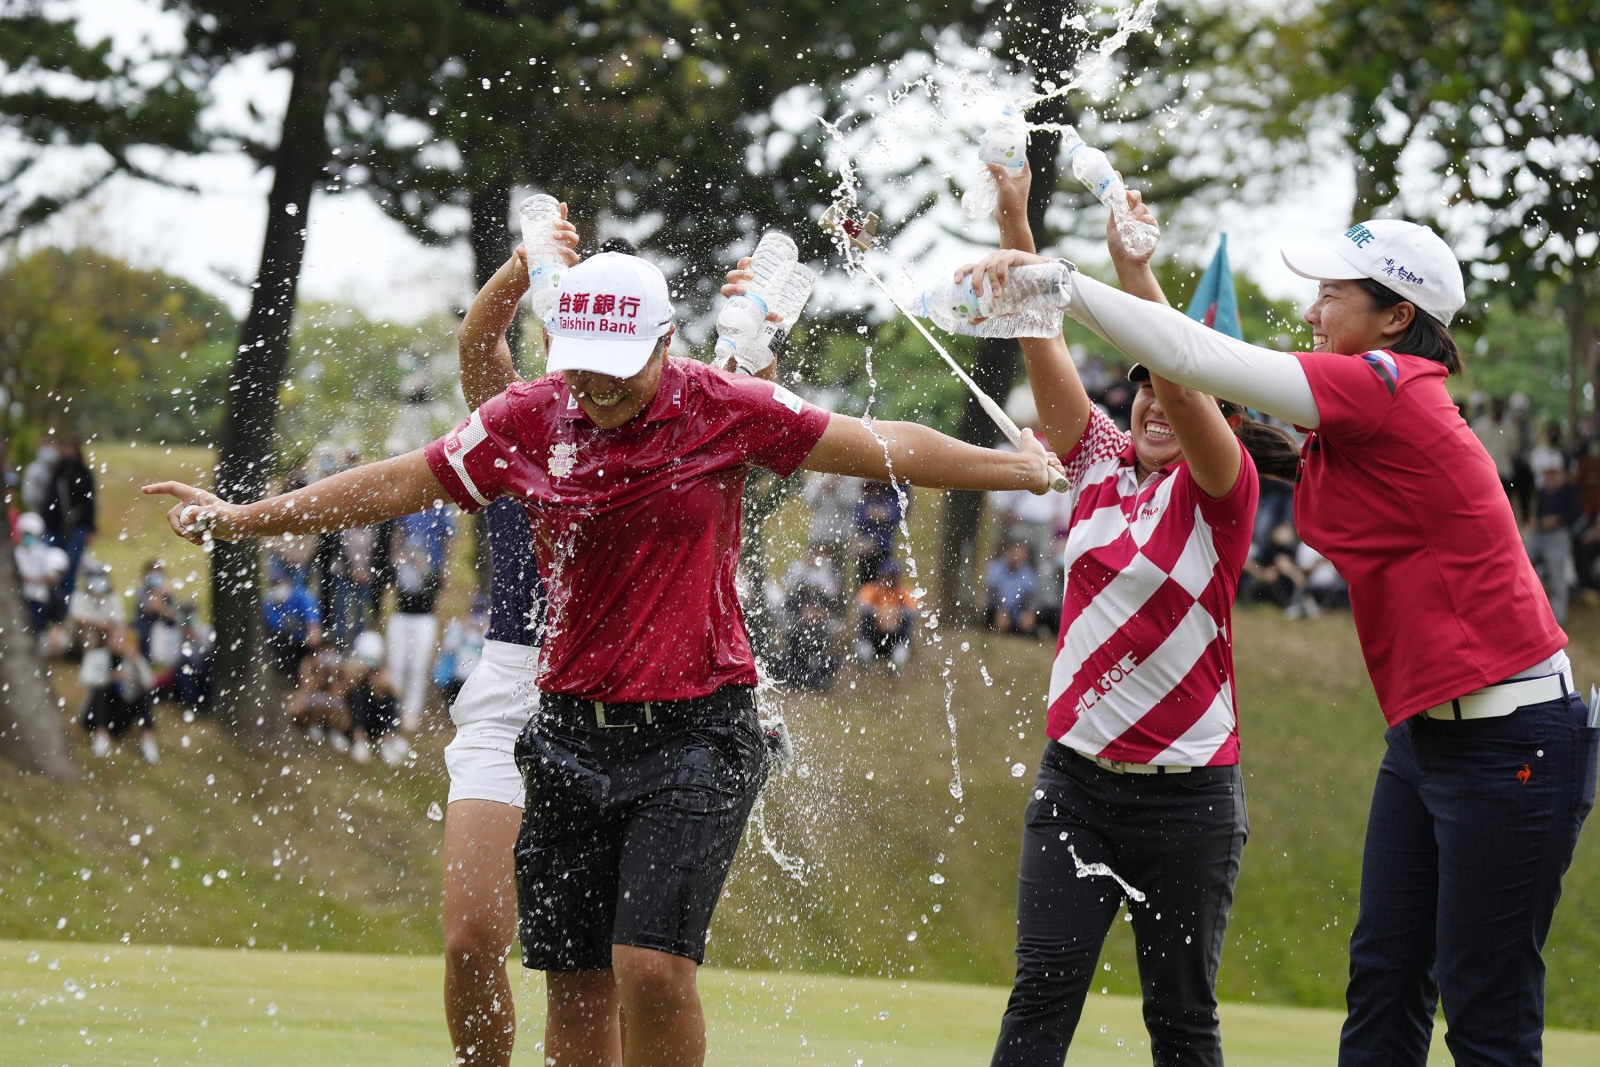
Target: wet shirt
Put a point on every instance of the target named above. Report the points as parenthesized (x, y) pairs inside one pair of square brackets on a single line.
[(1401, 496), (1144, 661), (636, 529)]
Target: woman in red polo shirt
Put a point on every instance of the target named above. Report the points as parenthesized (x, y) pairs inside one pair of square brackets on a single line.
[(1490, 769), (645, 757)]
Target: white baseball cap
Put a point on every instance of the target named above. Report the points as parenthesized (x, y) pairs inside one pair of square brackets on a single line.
[(610, 311), (1412, 260)]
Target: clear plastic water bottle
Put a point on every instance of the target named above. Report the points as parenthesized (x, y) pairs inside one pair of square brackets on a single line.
[(739, 323), (1091, 167), (539, 215), (1005, 142), (1031, 304), (773, 337)]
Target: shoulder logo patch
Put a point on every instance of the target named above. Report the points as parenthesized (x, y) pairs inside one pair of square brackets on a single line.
[(786, 398), (1383, 365)]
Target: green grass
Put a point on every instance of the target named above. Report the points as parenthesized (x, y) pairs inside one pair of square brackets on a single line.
[(330, 856), (80, 1005)]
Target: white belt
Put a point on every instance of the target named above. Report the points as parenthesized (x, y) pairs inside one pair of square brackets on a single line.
[(1119, 767), (1493, 701)]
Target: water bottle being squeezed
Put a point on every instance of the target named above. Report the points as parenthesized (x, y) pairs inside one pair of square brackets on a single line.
[(1005, 142), (539, 214), (740, 322), (773, 337), (1091, 167), (1031, 304)]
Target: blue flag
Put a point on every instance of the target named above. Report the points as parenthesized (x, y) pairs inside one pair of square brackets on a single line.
[(1214, 301)]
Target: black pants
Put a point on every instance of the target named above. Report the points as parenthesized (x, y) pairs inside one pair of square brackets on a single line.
[(1176, 838), (1473, 824)]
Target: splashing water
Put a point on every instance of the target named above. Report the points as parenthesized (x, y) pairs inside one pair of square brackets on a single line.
[(793, 866), (1100, 870)]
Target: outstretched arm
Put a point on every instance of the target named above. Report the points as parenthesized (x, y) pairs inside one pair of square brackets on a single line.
[(361, 496), (1185, 351), (486, 364), (922, 456)]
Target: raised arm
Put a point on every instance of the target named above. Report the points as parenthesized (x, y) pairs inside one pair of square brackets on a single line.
[(1185, 351), (922, 456), (486, 364), (360, 496), (1063, 404)]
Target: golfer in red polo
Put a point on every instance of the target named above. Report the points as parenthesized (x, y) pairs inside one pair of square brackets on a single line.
[(645, 756)]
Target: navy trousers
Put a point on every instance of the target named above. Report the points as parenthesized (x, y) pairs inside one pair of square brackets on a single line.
[(1473, 825)]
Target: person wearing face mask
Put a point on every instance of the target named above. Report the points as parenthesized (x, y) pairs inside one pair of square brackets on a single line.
[(1491, 762), (1141, 769), (645, 756)]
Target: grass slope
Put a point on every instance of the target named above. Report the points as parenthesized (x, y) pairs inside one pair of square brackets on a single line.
[(883, 873), (82, 1005)]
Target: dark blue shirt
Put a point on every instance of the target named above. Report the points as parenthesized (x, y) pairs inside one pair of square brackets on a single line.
[(516, 592)]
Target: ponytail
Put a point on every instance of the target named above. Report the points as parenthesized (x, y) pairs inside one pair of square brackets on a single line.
[(1274, 452)]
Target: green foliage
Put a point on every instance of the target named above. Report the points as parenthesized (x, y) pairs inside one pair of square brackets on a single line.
[(96, 348), (60, 91), (344, 377)]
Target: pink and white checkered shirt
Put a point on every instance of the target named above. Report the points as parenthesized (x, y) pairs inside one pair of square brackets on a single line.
[(1144, 663)]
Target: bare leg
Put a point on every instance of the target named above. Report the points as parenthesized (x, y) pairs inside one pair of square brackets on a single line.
[(480, 917), (659, 995), (582, 1025)]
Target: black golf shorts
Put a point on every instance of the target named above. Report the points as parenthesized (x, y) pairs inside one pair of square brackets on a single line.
[(629, 831)]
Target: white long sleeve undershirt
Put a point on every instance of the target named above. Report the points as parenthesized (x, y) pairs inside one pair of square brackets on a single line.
[(1192, 354)]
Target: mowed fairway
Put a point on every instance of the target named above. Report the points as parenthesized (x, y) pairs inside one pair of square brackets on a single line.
[(113, 1004)]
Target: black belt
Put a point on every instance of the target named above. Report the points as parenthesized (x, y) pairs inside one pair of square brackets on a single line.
[(576, 710)]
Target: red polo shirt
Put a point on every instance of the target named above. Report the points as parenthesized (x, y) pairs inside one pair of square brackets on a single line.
[(1398, 493), (636, 529)]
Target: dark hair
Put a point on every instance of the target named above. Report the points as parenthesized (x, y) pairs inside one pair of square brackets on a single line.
[(1274, 452), (1426, 336), (619, 244)]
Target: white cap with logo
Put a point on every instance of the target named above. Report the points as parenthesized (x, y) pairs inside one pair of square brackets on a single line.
[(1412, 260), (610, 311)]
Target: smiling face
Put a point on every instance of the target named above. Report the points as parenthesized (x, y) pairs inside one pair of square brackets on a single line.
[(1345, 319), (611, 402), (1155, 442)]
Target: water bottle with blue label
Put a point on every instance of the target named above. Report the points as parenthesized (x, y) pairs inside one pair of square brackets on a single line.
[(1091, 167), (1005, 142), (773, 337), (539, 215), (740, 321)]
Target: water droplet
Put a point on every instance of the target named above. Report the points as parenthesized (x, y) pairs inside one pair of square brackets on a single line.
[(206, 880), (912, 936), (435, 812), (1018, 770), (936, 879), (272, 1009)]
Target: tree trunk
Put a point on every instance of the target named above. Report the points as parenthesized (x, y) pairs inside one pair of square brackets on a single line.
[(33, 732), (248, 433), (1583, 351), (999, 361)]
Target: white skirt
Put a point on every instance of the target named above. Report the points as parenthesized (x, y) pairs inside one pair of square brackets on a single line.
[(494, 704)]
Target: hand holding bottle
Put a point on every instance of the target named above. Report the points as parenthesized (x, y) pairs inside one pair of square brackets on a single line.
[(1126, 253)]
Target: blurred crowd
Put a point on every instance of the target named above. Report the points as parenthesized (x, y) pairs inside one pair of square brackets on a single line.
[(361, 663)]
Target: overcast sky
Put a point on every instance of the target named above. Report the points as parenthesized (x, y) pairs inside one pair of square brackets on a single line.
[(357, 255)]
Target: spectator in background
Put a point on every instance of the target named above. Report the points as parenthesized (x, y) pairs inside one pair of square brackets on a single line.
[(38, 478), (810, 657), (1012, 586), (293, 621), (1324, 586), (888, 607), (354, 588), (419, 545), (192, 678), (1271, 572), (69, 513), (156, 623), (1524, 479), (817, 572), (374, 705), (832, 499), (877, 518), (1498, 437), (40, 567), (1556, 511), (117, 681), (317, 705), (1548, 452), (462, 649)]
